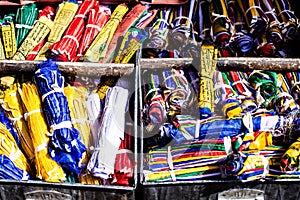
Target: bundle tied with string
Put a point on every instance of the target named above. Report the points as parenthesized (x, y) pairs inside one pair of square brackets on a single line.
[(66, 48), (242, 42), (256, 19), (63, 17), (12, 104), (25, 19), (8, 36), (65, 145), (157, 41), (76, 96), (266, 85), (154, 104), (48, 12), (46, 168), (222, 27), (97, 50), (97, 18), (178, 94), (17, 166)]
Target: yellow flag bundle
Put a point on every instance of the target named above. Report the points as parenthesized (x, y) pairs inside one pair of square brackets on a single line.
[(9, 148), (46, 168), (11, 103)]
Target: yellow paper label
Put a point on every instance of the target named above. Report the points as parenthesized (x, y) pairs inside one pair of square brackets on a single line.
[(9, 40), (127, 54), (40, 30)]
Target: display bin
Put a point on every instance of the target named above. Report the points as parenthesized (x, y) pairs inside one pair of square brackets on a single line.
[(88, 73)]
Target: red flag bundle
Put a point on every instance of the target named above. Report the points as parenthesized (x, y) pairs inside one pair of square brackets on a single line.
[(97, 18), (66, 48)]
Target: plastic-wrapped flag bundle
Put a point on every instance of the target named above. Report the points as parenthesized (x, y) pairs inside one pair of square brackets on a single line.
[(110, 133), (65, 145)]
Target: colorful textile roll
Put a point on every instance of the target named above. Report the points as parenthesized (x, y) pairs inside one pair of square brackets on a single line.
[(242, 42), (63, 17), (129, 20), (288, 18), (292, 78), (177, 94), (222, 26), (37, 34), (9, 171), (256, 19), (100, 44), (266, 84), (66, 48), (204, 21), (65, 145), (290, 159), (25, 18), (97, 18), (154, 107)]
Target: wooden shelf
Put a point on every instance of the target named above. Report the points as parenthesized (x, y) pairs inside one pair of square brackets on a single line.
[(258, 63), (163, 63), (72, 68)]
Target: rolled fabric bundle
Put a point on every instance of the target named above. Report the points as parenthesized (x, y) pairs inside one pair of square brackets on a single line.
[(242, 42), (46, 168), (12, 104), (187, 155), (274, 29), (177, 90), (110, 134), (285, 104), (254, 141), (158, 33), (266, 84), (264, 47), (239, 83), (292, 79), (66, 48), (25, 18), (155, 108), (38, 33), (288, 18), (256, 19), (48, 12), (9, 171), (223, 89), (9, 148), (97, 50), (232, 108), (290, 159), (65, 145), (63, 17), (204, 22), (132, 17), (247, 168), (222, 26), (97, 18)]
